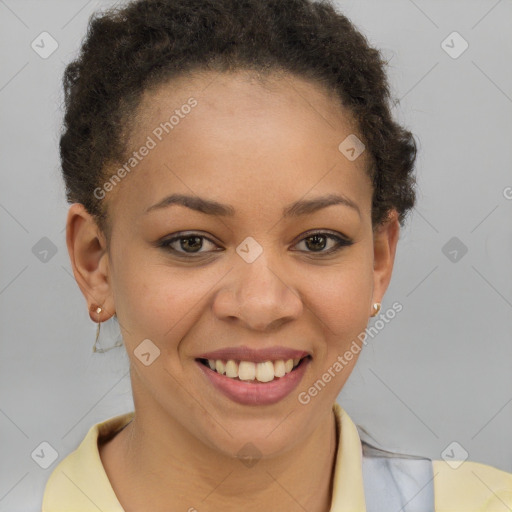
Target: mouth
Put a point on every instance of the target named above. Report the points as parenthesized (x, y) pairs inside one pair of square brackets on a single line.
[(253, 372), (254, 383)]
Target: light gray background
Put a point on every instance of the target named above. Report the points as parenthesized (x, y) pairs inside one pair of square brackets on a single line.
[(440, 372)]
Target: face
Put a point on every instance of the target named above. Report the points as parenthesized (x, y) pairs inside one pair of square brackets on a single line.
[(250, 269)]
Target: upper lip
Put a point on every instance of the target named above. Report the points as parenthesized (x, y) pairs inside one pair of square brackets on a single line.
[(260, 355)]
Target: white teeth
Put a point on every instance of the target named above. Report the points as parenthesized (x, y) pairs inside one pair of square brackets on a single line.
[(220, 367), (231, 369), (247, 370), (265, 371), (279, 369)]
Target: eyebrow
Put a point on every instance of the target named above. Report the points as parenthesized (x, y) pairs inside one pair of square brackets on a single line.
[(296, 209)]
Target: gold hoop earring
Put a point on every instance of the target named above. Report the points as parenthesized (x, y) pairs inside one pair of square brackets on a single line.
[(94, 348), (376, 309)]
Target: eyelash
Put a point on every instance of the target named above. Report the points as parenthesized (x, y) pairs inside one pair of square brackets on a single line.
[(341, 242)]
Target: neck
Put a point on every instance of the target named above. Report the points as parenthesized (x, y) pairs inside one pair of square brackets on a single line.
[(170, 465)]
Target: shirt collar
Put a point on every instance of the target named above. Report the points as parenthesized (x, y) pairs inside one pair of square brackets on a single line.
[(348, 490), (79, 482)]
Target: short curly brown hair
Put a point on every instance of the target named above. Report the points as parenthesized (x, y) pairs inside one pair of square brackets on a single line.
[(148, 42)]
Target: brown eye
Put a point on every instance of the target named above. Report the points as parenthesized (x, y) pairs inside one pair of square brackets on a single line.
[(194, 243), (317, 242), (191, 244), (185, 244)]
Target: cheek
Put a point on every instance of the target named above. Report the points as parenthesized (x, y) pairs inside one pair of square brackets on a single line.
[(343, 308), (155, 301), (343, 299)]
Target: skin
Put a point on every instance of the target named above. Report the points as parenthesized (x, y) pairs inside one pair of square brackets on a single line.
[(257, 147)]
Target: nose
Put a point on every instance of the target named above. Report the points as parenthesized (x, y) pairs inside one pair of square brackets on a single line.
[(258, 296)]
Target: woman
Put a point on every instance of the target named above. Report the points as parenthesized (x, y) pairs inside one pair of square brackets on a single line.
[(238, 186)]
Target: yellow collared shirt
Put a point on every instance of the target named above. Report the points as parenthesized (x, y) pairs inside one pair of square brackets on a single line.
[(79, 482)]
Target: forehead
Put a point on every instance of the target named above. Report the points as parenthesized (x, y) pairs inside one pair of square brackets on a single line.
[(243, 93), (217, 134)]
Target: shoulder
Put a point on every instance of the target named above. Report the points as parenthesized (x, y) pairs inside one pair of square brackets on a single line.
[(453, 486), (80, 480), (471, 486)]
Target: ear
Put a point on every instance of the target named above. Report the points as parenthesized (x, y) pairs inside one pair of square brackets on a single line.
[(87, 250), (385, 239)]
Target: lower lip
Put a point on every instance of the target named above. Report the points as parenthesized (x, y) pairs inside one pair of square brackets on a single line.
[(256, 393)]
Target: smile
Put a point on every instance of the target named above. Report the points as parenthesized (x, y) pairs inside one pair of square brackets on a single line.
[(254, 383), (250, 371)]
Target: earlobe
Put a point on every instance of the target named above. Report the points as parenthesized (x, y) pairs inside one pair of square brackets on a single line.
[(89, 261), (385, 239)]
